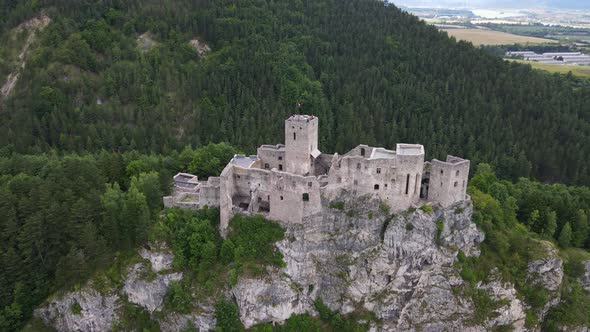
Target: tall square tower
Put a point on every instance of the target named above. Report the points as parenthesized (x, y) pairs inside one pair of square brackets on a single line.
[(301, 143)]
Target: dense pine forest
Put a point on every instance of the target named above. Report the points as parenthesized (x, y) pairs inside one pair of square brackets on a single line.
[(114, 99)]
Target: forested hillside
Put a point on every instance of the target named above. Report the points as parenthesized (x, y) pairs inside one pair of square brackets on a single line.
[(121, 75), (117, 96)]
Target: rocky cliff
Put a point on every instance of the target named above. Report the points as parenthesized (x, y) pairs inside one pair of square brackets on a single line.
[(358, 257)]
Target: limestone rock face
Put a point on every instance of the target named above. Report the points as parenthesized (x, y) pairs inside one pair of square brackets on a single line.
[(585, 279), (160, 260), (269, 299), (147, 293), (547, 272), (399, 267), (97, 311)]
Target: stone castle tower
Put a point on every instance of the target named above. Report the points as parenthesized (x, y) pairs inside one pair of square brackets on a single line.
[(301, 144)]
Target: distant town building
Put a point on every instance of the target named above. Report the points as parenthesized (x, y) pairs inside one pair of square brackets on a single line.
[(570, 58)]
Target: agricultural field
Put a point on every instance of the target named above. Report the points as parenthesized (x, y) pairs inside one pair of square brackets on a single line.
[(581, 71), (491, 37)]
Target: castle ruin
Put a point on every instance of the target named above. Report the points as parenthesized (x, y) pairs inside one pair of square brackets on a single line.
[(288, 182)]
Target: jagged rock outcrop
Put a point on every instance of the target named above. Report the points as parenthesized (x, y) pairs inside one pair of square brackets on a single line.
[(547, 272), (147, 290), (160, 259), (270, 299), (585, 279), (399, 267), (145, 284), (87, 310), (360, 257)]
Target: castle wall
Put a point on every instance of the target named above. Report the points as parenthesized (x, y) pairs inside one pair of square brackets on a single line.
[(209, 193), (272, 157), (448, 180), (386, 179)]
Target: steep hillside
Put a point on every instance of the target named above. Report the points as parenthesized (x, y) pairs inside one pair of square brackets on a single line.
[(371, 72)]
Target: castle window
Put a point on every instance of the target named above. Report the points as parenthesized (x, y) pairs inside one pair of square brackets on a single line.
[(358, 166), (305, 197), (268, 197), (376, 187), (237, 176), (294, 136), (441, 171), (266, 166), (385, 185), (309, 184), (363, 152), (300, 128), (457, 174), (455, 184), (378, 170), (281, 198), (407, 183), (280, 158), (280, 167)]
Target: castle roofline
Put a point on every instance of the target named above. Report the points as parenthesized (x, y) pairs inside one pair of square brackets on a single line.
[(404, 149), (301, 117)]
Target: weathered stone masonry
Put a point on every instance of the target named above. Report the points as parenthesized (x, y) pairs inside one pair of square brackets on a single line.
[(288, 182)]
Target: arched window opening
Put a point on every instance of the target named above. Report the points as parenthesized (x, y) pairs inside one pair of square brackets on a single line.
[(376, 187)]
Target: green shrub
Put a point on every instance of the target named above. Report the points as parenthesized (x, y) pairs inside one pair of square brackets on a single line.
[(426, 208), (338, 205), (76, 309), (227, 317), (178, 298)]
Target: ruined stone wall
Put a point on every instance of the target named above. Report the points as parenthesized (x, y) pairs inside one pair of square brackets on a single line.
[(386, 179), (209, 192), (448, 180), (274, 194), (271, 158), (226, 191)]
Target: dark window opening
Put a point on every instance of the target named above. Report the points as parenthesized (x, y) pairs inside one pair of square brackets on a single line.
[(280, 158), (306, 197), (376, 187), (259, 199), (294, 136), (378, 170), (363, 152), (455, 184), (266, 166), (441, 171), (358, 166), (281, 198), (356, 182), (407, 183), (457, 173), (280, 167), (385, 185)]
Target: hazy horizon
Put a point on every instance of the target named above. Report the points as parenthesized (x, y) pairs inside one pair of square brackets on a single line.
[(505, 4)]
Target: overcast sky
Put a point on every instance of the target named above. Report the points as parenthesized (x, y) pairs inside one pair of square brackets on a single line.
[(578, 4)]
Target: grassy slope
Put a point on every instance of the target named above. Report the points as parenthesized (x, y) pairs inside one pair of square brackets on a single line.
[(491, 37)]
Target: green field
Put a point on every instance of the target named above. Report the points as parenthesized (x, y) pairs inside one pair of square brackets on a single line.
[(581, 71)]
